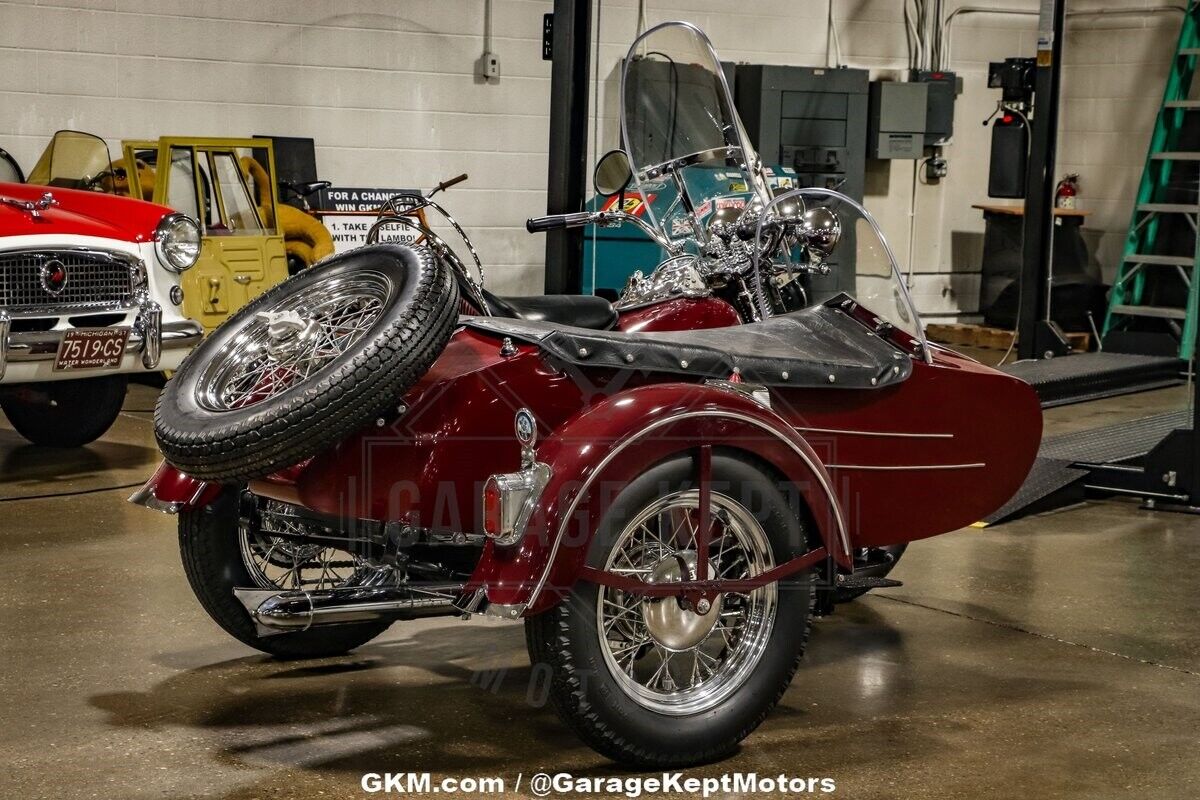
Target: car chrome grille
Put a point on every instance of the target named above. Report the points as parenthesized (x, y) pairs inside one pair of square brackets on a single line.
[(94, 281)]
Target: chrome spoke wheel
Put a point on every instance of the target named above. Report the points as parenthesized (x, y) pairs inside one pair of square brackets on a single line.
[(286, 344), (669, 658), (282, 562)]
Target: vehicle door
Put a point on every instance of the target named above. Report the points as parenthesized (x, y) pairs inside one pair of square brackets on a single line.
[(242, 252)]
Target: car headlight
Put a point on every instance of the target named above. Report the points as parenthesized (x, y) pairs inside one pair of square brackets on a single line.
[(177, 242)]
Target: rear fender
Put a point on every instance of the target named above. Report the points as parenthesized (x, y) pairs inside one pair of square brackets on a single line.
[(170, 491), (600, 450)]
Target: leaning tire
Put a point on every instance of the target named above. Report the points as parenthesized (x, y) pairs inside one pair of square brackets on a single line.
[(69, 413), (351, 336), (214, 565), (659, 729)]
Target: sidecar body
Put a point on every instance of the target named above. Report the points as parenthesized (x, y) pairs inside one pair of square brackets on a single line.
[(883, 444)]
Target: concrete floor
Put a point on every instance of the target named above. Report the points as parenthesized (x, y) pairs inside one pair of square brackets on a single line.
[(1056, 656)]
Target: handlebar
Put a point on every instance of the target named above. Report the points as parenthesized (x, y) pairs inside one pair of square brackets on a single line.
[(554, 222), (446, 184)]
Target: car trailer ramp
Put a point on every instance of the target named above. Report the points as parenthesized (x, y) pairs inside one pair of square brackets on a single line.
[(1092, 376), (1072, 465)]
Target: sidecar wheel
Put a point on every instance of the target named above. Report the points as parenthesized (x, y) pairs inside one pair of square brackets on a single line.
[(215, 565), (646, 683), (306, 364)]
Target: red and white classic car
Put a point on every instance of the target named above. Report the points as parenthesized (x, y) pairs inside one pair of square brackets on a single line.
[(89, 294)]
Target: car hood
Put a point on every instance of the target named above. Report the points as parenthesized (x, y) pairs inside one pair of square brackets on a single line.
[(78, 213)]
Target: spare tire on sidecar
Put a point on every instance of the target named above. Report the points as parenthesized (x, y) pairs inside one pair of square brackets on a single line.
[(307, 363)]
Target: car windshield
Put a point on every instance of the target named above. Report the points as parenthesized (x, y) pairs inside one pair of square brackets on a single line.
[(697, 174), (73, 160)]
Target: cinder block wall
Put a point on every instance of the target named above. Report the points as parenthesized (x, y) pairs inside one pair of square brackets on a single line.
[(387, 90)]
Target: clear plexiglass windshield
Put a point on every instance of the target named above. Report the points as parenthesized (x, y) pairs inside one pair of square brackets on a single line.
[(694, 166), (685, 141), (72, 160)]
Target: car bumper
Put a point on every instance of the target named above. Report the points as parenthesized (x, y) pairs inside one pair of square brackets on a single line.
[(153, 345)]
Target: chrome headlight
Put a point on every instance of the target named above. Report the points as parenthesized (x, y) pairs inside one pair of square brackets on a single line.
[(177, 242)]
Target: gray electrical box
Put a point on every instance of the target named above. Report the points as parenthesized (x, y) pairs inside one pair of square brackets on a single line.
[(896, 119), (812, 119), (944, 88)]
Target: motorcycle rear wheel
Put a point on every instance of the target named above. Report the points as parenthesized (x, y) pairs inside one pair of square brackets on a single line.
[(640, 701), (216, 561)]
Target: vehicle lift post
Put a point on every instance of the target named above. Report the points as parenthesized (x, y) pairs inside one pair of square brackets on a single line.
[(1168, 476), (1038, 336), (567, 38)]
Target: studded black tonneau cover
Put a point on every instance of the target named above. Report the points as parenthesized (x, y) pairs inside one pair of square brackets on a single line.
[(817, 347)]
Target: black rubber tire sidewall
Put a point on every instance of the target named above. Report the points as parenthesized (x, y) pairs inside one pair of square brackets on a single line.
[(212, 561), (85, 409), (362, 384), (565, 641)]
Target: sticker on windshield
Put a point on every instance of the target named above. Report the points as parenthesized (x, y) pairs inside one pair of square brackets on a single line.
[(630, 205)]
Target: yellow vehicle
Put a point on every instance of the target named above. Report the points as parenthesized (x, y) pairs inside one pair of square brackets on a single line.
[(242, 250)]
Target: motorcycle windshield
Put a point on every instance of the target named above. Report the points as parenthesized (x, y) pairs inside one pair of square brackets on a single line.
[(72, 160), (686, 143), (836, 247)]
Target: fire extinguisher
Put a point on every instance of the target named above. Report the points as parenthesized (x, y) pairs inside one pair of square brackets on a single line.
[(1068, 189)]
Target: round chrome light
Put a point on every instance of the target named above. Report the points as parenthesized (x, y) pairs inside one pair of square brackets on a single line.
[(177, 242), (177, 295)]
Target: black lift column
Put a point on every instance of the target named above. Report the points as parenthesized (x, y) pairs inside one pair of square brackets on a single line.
[(570, 37), (1037, 335)]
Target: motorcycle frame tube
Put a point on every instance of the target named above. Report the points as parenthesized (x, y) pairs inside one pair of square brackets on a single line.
[(604, 447)]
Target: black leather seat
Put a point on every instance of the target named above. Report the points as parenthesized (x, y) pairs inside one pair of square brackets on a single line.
[(576, 310), (818, 347)]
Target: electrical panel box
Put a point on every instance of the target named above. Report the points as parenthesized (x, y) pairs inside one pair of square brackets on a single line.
[(811, 119), (944, 87), (896, 119)]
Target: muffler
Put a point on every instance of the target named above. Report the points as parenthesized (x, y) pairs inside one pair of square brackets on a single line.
[(276, 612)]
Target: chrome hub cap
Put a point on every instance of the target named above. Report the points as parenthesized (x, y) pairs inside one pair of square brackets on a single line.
[(670, 624), (671, 659)]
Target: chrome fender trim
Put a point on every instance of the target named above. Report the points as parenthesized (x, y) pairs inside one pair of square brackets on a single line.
[(817, 470)]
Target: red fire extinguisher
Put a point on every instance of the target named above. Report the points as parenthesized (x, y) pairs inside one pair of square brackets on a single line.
[(1068, 189)]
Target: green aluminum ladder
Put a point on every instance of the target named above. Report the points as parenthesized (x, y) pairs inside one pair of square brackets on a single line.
[(1128, 297)]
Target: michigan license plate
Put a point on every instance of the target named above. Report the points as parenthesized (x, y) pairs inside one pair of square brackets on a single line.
[(92, 348)]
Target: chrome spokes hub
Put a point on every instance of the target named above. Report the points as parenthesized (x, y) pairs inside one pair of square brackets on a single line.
[(672, 659), (671, 624), (284, 345)]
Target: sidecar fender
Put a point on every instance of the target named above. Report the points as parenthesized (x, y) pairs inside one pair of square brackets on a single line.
[(170, 491), (602, 448)]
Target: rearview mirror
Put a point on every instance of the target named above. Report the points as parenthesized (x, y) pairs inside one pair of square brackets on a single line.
[(613, 173)]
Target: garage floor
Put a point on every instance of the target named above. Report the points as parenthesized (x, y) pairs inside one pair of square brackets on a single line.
[(1057, 656)]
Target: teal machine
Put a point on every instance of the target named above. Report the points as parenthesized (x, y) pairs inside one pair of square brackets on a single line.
[(611, 255)]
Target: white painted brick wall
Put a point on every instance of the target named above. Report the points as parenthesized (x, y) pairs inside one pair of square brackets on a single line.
[(387, 91)]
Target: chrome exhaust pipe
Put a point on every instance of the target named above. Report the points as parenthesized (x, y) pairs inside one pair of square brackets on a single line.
[(277, 612)]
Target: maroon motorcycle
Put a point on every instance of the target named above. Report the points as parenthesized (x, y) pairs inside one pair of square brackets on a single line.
[(663, 489)]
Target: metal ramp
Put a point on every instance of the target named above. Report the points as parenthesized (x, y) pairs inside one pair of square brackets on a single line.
[(1091, 376), (1060, 475)]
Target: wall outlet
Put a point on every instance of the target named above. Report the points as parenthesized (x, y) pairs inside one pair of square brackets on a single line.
[(488, 66)]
